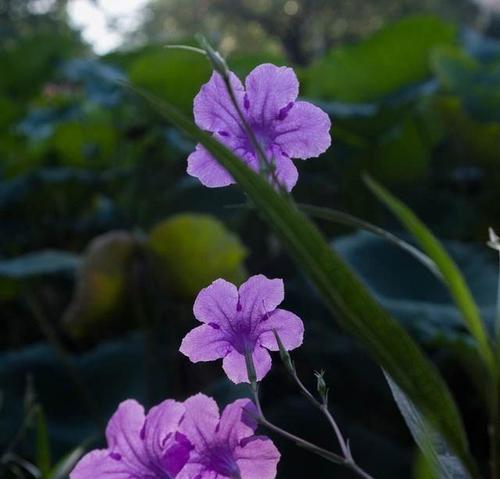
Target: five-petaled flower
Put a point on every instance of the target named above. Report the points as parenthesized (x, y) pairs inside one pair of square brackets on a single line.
[(225, 447), (240, 322), (284, 127), (139, 446)]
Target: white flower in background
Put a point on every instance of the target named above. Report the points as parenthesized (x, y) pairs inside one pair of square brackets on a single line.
[(104, 23), (494, 241), (489, 6)]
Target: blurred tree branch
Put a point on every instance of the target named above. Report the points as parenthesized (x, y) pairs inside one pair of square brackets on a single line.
[(302, 29)]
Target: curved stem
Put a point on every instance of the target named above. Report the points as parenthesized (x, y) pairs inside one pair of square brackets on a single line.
[(494, 425), (346, 460), (346, 219), (323, 407), (331, 456), (328, 455), (265, 165)]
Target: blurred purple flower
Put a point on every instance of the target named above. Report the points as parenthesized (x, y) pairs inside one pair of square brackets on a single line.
[(225, 447), (236, 321), (139, 446), (285, 128)]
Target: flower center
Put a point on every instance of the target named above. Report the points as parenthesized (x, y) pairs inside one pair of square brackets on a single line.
[(264, 138), (242, 335), (219, 458)]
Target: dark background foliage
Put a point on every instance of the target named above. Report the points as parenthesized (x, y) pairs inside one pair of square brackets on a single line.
[(105, 240)]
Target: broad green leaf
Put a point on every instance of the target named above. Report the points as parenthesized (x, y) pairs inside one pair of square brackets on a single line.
[(395, 57), (477, 84), (89, 142), (43, 460), (173, 75), (36, 264), (193, 250), (353, 306), (243, 64), (435, 450), (468, 137), (452, 276), (401, 154)]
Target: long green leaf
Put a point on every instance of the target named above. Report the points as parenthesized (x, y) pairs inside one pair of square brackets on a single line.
[(452, 276), (43, 460), (354, 307), (440, 459), (340, 217), (63, 468)]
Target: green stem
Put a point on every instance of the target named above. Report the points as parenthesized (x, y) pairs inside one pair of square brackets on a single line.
[(497, 314), (323, 407), (324, 453), (53, 339), (265, 165), (219, 65), (494, 426), (346, 460)]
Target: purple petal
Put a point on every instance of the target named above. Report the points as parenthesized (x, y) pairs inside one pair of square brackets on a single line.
[(159, 436), (197, 471), (236, 422), (177, 455), (257, 458), (203, 166), (260, 295), (124, 433), (286, 172), (216, 303), (305, 132), (234, 365), (289, 327), (205, 343), (200, 420), (100, 464), (213, 109), (269, 90)]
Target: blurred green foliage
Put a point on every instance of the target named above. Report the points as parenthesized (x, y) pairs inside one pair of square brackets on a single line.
[(367, 71), (91, 176), (194, 250)]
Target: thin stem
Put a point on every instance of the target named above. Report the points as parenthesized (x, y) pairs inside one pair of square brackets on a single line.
[(53, 339), (341, 217), (494, 437), (264, 164), (18, 436), (495, 415), (346, 460), (188, 48), (494, 426), (497, 315), (323, 407), (332, 457)]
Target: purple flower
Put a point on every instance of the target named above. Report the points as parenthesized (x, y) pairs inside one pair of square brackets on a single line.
[(226, 446), (285, 128), (139, 446), (236, 321)]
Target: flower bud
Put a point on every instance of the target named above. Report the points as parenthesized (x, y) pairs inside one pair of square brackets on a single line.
[(218, 63), (284, 354), (321, 385), (494, 241)]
